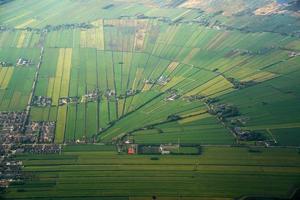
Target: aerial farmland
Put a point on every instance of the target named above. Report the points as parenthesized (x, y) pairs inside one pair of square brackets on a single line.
[(150, 99)]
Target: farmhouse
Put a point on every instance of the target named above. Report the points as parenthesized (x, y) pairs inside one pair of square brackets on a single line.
[(110, 93), (67, 100), (132, 92), (173, 95), (132, 149), (293, 54), (24, 62), (223, 110), (162, 80), (149, 81)]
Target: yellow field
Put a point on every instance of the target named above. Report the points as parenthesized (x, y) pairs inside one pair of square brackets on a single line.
[(21, 39), (59, 85), (242, 72), (194, 113), (261, 76), (64, 91), (93, 38), (50, 87), (172, 66), (58, 76), (216, 85), (173, 82), (60, 125), (194, 118), (5, 76), (146, 87), (26, 23)]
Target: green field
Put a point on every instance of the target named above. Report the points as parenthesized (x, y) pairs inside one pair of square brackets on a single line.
[(155, 72), (120, 54), (98, 171)]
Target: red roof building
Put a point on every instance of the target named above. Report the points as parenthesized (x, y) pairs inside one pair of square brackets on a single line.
[(131, 150)]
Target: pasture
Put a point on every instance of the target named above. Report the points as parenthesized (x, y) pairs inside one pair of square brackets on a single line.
[(96, 171)]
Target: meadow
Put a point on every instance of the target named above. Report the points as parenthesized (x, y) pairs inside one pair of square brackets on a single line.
[(95, 171), (122, 55), (147, 71)]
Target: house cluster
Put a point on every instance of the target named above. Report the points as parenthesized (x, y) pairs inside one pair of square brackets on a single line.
[(41, 101), (44, 129), (24, 62), (162, 80), (129, 93), (150, 81), (91, 96), (5, 64), (293, 54), (174, 117), (18, 138), (109, 94), (11, 122), (68, 100), (172, 95), (223, 111), (230, 117), (239, 121), (10, 170), (132, 92), (247, 135), (168, 148), (42, 148), (68, 26)]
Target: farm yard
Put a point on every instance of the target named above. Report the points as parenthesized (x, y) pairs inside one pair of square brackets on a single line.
[(95, 80)]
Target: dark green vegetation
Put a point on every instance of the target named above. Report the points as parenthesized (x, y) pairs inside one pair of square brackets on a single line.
[(219, 172), (156, 72)]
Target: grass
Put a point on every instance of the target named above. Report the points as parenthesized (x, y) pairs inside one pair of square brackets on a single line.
[(78, 60), (219, 172)]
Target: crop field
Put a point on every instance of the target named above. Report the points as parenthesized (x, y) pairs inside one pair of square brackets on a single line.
[(98, 77), (121, 55), (219, 172)]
